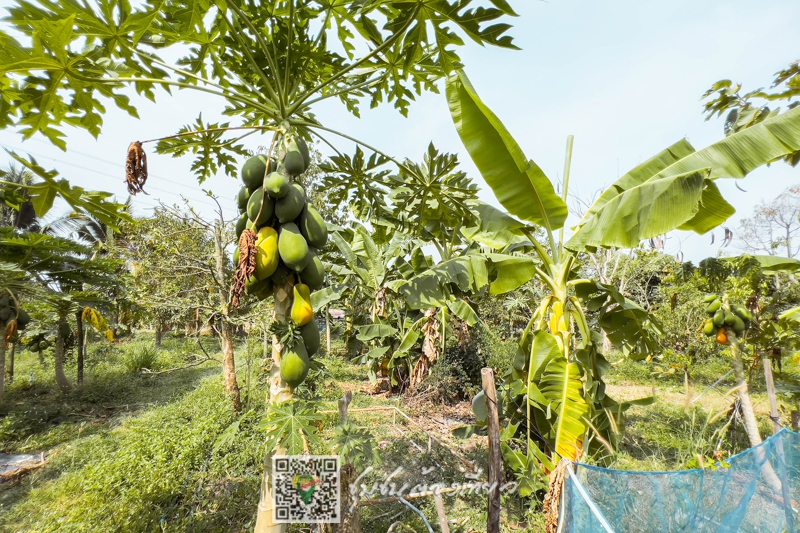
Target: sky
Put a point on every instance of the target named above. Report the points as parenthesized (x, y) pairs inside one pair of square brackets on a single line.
[(624, 77)]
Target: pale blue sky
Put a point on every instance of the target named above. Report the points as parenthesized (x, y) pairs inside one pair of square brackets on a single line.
[(624, 77)]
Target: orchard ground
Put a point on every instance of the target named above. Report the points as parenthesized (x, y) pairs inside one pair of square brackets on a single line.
[(132, 450)]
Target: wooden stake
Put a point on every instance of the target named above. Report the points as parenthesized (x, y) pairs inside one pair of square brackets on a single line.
[(440, 511), (495, 466)]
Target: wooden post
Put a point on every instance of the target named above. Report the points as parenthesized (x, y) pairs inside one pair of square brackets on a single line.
[(795, 420), (773, 403), (440, 511), (495, 466), (350, 519)]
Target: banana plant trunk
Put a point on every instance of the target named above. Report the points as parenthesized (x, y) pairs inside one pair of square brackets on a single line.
[(61, 378), (279, 392)]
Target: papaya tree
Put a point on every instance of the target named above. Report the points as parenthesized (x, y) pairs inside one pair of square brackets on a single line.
[(556, 390)]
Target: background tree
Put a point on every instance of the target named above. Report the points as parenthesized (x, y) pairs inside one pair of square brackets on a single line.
[(774, 226)]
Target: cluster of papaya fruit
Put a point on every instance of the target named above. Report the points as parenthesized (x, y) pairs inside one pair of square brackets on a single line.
[(9, 311), (289, 233), (722, 321)]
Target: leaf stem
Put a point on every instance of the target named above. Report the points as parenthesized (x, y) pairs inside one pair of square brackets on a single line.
[(567, 165), (186, 133)]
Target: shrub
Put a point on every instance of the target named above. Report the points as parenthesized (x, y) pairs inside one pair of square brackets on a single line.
[(142, 357)]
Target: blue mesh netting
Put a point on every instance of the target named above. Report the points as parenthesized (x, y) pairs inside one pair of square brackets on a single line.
[(759, 492)]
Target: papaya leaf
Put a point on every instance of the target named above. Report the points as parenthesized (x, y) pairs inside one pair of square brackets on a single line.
[(518, 183), (288, 423)]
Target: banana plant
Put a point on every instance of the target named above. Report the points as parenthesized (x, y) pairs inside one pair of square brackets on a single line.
[(555, 395)]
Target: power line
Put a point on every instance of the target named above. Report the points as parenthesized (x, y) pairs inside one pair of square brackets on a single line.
[(151, 187)]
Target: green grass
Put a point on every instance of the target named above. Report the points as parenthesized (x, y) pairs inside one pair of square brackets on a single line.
[(142, 452)]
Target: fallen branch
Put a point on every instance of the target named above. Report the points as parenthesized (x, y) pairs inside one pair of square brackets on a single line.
[(190, 365)]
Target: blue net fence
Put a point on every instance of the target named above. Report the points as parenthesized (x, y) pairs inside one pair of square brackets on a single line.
[(758, 492)]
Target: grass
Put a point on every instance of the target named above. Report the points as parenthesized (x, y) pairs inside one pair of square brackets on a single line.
[(131, 451)]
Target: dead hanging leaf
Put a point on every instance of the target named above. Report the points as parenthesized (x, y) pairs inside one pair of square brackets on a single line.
[(430, 350), (247, 264), (11, 330), (136, 168)]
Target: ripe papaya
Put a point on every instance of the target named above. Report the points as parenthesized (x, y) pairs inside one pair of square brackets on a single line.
[(241, 225), (709, 298), (294, 163), (313, 274), (303, 147), (242, 198), (719, 318), (254, 207), (266, 252), (293, 248), (313, 227), (729, 318), (713, 307), (310, 333), (253, 172), (722, 336), (302, 312), (277, 185), (290, 206), (294, 364), (708, 328), (738, 325)]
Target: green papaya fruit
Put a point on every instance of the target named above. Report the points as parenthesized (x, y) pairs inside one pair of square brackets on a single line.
[(64, 330), (23, 319), (290, 206), (708, 328), (743, 313), (254, 206), (294, 163), (713, 307), (266, 290), (313, 274), (313, 227), (280, 274), (292, 247), (242, 198), (5, 313), (719, 318), (294, 364), (303, 147), (253, 172), (4, 300), (709, 298), (310, 333), (738, 325), (254, 285), (479, 407), (43, 345), (729, 318), (236, 257), (277, 185), (241, 225)]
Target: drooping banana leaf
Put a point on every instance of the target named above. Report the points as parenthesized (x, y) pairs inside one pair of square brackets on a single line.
[(510, 272), (495, 228), (432, 288), (374, 331), (772, 263), (682, 195), (518, 183), (561, 385), (628, 326)]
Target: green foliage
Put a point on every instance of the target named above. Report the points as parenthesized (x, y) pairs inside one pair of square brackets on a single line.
[(354, 446), (142, 358), (291, 426)]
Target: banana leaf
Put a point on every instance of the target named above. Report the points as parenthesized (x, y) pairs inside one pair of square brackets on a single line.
[(561, 385), (518, 183)]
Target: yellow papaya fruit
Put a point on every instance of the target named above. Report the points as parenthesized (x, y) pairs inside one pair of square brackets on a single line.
[(266, 252), (302, 313)]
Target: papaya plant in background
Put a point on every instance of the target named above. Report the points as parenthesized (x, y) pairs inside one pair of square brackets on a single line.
[(555, 398)]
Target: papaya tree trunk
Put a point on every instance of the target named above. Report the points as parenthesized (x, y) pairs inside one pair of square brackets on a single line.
[(79, 320), (327, 330), (3, 366), (11, 363), (743, 395), (41, 358), (226, 328), (279, 392), (229, 365), (61, 378), (159, 333)]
